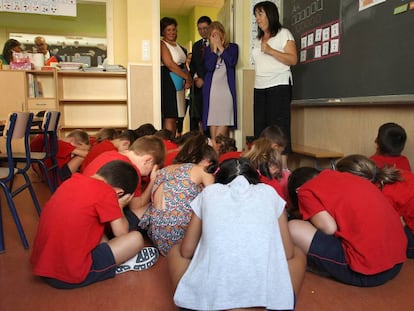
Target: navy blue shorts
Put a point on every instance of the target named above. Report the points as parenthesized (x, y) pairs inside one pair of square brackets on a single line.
[(65, 173), (103, 267), (327, 256), (410, 238), (132, 219)]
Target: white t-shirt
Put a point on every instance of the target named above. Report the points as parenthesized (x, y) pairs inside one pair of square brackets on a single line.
[(240, 260), (269, 71)]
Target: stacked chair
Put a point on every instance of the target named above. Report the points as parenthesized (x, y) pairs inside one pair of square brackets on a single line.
[(17, 128), (46, 159)]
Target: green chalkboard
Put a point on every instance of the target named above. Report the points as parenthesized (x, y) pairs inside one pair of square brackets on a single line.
[(374, 56)]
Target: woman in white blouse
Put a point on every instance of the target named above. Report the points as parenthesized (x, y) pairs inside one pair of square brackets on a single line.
[(273, 53), (175, 77)]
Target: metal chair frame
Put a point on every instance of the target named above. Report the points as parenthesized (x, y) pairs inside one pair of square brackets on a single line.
[(18, 127), (50, 135)]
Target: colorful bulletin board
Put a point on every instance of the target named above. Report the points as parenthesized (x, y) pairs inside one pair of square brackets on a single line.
[(47, 7)]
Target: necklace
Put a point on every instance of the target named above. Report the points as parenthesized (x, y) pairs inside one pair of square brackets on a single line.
[(219, 62)]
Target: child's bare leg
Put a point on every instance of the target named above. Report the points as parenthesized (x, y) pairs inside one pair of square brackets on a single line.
[(138, 206), (302, 233), (126, 246), (177, 264), (297, 269)]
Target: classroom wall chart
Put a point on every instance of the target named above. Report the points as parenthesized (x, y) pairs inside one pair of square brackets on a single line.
[(46, 7)]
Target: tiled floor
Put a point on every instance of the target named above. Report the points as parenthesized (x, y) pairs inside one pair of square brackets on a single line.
[(150, 290)]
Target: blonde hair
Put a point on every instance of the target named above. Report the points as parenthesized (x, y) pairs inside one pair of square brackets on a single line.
[(218, 26), (261, 154), (80, 136), (151, 145)]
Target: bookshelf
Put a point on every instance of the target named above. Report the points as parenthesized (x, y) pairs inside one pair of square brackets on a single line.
[(92, 100), (41, 90), (86, 100)]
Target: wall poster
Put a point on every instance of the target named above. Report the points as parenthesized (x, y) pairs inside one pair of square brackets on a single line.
[(46, 7)]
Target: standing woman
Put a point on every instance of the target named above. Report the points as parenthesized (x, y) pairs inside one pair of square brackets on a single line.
[(219, 89), (174, 75), (273, 53)]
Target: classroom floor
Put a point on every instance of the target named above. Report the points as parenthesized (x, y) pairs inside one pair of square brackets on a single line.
[(151, 290)]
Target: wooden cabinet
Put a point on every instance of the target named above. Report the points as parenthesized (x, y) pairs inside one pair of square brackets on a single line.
[(13, 92), (41, 91), (27, 91), (92, 100), (86, 100)]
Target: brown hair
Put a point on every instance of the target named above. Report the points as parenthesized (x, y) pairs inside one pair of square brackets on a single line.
[(194, 150), (226, 144), (80, 136), (275, 134), (152, 145), (362, 166), (8, 49), (165, 22), (106, 133), (261, 154), (127, 135)]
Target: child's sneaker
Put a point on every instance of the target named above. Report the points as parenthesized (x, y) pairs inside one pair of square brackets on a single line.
[(145, 259)]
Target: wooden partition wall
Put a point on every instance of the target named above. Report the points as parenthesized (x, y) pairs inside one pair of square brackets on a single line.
[(344, 128), (140, 96), (350, 129)]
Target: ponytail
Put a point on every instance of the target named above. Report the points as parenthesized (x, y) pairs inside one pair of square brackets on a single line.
[(364, 167)]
